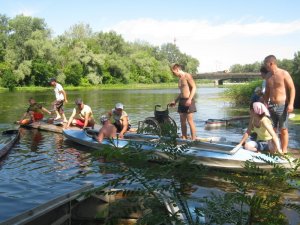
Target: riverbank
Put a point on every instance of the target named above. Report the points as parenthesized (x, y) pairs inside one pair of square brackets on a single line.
[(205, 83)]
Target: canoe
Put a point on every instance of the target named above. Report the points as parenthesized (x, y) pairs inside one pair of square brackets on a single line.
[(217, 123), (8, 139), (214, 155), (83, 138)]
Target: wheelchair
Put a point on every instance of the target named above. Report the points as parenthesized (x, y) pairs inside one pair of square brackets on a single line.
[(161, 124)]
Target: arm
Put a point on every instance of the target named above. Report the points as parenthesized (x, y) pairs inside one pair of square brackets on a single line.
[(46, 110), (275, 139), (291, 87), (71, 118), (86, 120), (192, 86), (266, 96), (173, 103), (125, 127), (247, 134), (65, 95), (100, 135)]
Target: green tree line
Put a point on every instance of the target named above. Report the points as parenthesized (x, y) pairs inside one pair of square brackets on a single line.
[(291, 65), (29, 56)]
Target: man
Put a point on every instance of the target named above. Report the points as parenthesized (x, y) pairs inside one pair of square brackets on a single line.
[(35, 112), (61, 97), (186, 105), (263, 74), (107, 130), (82, 116), (120, 118), (280, 91)]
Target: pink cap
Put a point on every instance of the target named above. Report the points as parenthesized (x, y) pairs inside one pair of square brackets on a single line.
[(260, 109)]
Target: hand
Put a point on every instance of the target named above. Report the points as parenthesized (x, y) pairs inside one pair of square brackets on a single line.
[(66, 101), (290, 108), (172, 104), (188, 102), (121, 135)]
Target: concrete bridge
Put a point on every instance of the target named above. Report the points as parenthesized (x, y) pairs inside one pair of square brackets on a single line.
[(219, 77)]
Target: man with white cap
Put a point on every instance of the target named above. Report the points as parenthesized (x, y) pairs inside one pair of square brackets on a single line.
[(107, 130), (120, 118)]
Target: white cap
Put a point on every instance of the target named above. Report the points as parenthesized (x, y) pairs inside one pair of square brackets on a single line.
[(257, 89), (103, 118), (119, 106)]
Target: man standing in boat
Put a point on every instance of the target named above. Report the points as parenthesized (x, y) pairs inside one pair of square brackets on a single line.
[(280, 92), (61, 97), (186, 102)]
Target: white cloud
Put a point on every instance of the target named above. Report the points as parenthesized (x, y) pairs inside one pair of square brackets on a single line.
[(26, 12), (217, 46)]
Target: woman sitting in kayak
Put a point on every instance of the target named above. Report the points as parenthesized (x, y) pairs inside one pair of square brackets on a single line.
[(261, 124)]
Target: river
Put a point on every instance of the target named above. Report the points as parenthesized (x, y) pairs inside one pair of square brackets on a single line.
[(43, 165)]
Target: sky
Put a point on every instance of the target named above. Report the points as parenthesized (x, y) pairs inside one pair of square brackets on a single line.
[(217, 33)]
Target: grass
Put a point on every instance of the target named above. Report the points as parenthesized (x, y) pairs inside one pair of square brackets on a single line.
[(110, 86), (296, 119)]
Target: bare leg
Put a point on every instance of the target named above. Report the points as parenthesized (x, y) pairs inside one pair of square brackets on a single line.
[(284, 139), (183, 118), (192, 125), (250, 147), (64, 118), (57, 115)]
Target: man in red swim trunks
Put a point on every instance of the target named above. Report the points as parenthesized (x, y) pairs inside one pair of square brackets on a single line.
[(35, 112)]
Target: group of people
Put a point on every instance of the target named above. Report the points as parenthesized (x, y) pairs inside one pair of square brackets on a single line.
[(269, 110), (82, 115)]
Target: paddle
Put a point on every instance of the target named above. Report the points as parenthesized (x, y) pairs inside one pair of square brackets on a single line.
[(91, 133), (9, 132)]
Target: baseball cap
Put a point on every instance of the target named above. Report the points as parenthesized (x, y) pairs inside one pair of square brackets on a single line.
[(257, 89), (119, 106)]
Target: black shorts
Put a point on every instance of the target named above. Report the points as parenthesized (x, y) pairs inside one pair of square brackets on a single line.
[(182, 108), (119, 126)]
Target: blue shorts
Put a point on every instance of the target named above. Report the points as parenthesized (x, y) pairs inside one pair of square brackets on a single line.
[(260, 145), (279, 115)]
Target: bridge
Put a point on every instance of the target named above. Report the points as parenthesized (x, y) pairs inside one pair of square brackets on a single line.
[(219, 77)]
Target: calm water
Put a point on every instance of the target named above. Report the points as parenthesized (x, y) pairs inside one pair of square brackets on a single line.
[(43, 165)]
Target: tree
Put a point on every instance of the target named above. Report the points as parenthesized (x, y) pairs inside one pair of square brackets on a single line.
[(73, 73), (3, 35)]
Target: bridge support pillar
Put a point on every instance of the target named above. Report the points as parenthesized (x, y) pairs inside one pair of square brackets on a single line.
[(218, 82)]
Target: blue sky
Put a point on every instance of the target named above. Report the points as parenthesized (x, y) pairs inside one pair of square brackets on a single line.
[(217, 33)]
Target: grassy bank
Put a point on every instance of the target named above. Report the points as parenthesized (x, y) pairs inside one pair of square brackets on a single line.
[(111, 86), (296, 119)]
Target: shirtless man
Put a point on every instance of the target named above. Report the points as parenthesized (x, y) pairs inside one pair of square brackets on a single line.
[(280, 90), (108, 130), (186, 105)]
